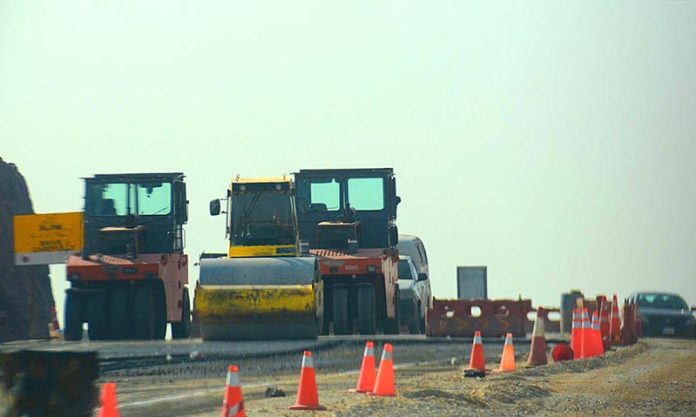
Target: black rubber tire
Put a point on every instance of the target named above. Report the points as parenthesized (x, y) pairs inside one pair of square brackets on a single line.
[(97, 315), (119, 323), (367, 310), (73, 317), (143, 320), (341, 320), (392, 325), (182, 329), (159, 313)]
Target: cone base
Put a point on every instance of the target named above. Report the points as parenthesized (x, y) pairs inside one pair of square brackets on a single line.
[(473, 373), (307, 407), (372, 394), (359, 391)]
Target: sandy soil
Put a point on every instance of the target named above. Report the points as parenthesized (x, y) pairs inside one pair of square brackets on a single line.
[(653, 378), (656, 377)]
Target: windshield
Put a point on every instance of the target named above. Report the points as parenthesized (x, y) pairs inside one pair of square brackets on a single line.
[(262, 218), (362, 193), (124, 198), (662, 301), (405, 270)]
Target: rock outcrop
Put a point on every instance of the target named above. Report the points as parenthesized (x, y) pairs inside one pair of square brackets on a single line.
[(25, 291)]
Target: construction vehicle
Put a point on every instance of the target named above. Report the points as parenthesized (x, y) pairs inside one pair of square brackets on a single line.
[(131, 279), (348, 218), (264, 287)]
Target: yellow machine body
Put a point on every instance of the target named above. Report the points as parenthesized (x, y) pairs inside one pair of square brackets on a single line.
[(262, 289)]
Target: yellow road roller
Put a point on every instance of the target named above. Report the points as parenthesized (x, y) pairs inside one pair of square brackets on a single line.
[(265, 287)]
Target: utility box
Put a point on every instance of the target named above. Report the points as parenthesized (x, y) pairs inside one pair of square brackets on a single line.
[(472, 282)]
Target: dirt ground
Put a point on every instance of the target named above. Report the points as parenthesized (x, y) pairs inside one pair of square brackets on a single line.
[(656, 377)]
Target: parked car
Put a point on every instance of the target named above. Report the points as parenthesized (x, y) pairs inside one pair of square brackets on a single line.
[(414, 295), (664, 314), (411, 245)]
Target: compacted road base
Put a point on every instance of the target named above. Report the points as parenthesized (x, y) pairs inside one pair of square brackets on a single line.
[(656, 377)]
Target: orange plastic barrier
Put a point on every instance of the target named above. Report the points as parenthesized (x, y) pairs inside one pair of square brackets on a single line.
[(461, 318)]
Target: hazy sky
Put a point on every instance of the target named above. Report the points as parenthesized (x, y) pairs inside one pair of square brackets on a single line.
[(552, 141)]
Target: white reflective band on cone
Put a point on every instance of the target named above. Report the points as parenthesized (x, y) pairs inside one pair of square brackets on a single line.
[(369, 351), (508, 340), (477, 340), (233, 379), (233, 410), (386, 355), (539, 329), (307, 362)]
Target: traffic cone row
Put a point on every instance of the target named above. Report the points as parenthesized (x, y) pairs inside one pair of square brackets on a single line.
[(590, 338)]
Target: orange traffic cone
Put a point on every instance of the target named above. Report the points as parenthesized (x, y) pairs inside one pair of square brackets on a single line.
[(587, 341), (597, 335), (233, 402), (366, 380), (615, 322), (628, 330), (507, 361), (307, 395), (477, 363), (109, 402), (537, 351), (604, 325), (576, 333), (384, 385)]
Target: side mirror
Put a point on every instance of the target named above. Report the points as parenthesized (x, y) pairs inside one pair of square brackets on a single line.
[(214, 207), (422, 276)]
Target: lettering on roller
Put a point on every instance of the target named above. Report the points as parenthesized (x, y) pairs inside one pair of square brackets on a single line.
[(227, 301)]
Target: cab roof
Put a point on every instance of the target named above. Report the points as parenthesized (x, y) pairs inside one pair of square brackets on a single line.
[(261, 180)]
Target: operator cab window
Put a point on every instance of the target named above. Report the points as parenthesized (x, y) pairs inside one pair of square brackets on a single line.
[(324, 196), (121, 199), (366, 194), (154, 199)]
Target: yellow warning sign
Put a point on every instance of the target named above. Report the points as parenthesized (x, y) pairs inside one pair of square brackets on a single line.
[(46, 238)]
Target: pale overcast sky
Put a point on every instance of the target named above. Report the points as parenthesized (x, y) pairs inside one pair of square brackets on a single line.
[(552, 141)]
